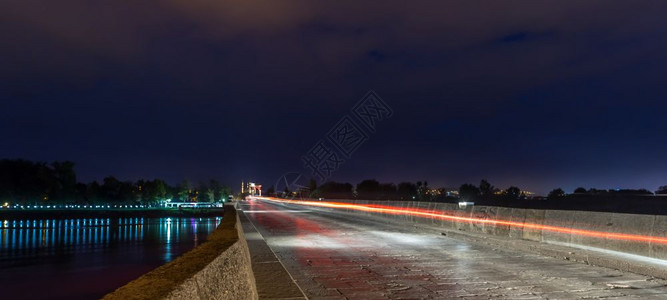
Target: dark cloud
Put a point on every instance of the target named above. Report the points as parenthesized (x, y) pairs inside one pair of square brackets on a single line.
[(539, 94)]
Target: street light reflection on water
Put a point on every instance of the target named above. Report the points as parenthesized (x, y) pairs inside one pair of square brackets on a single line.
[(87, 258)]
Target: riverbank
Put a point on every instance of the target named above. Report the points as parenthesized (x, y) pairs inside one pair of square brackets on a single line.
[(218, 269), (17, 214)]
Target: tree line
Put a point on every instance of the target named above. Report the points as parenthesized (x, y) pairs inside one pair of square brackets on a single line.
[(27, 183), (370, 189), (485, 192)]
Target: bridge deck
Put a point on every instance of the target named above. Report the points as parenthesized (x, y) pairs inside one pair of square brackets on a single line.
[(337, 256)]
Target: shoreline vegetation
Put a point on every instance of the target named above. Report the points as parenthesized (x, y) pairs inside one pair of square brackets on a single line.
[(27, 183), (15, 214)]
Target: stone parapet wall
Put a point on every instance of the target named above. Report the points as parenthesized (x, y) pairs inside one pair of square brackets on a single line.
[(218, 269)]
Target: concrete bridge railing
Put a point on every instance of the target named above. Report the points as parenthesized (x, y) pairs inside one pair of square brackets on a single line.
[(218, 269), (635, 234), (640, 228)]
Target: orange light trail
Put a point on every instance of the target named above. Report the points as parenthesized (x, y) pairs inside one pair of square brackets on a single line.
[(426, 214)]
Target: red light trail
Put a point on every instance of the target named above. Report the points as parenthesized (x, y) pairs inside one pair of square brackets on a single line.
[(427, 214)]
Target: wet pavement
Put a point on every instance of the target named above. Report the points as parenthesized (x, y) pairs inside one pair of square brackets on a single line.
[(341, 256)]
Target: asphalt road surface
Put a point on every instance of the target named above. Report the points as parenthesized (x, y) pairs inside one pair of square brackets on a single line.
[(341, 256)]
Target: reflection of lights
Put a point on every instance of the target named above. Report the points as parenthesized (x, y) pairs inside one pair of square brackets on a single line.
[(167, 245), (99, 233), (452, 218)]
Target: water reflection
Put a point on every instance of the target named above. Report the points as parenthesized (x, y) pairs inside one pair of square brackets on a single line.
[(102, 252)]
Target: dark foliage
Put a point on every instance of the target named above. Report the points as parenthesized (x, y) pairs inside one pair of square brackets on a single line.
[(469, 192), (555, 194), (25, 182)]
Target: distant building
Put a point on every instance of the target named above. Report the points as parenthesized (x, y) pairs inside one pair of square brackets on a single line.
[(434, 192), (451, 192), (528, 194), (251, 188)]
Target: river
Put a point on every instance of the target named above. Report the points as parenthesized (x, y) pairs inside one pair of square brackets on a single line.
[(88, 258)]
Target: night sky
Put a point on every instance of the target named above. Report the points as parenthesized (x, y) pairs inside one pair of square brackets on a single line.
[(538, 94)]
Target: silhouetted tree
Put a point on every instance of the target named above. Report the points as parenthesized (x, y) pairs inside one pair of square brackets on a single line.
[(580, 190), (205, 194), (66, 178), (556, 193), (209, 194), (594, 191), (513, 193), (387, 191), (151, 192), (128, 192), (486, 189), (111, 189), (226, 192), (220, 192), (423, 191), (407, 190), (25, 182), (312, 185), (93, 193), (217, 190), (336, 190), (662, 190), (368, 189), (630, 192), (312, 189), (468, 192), (184, 191)]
